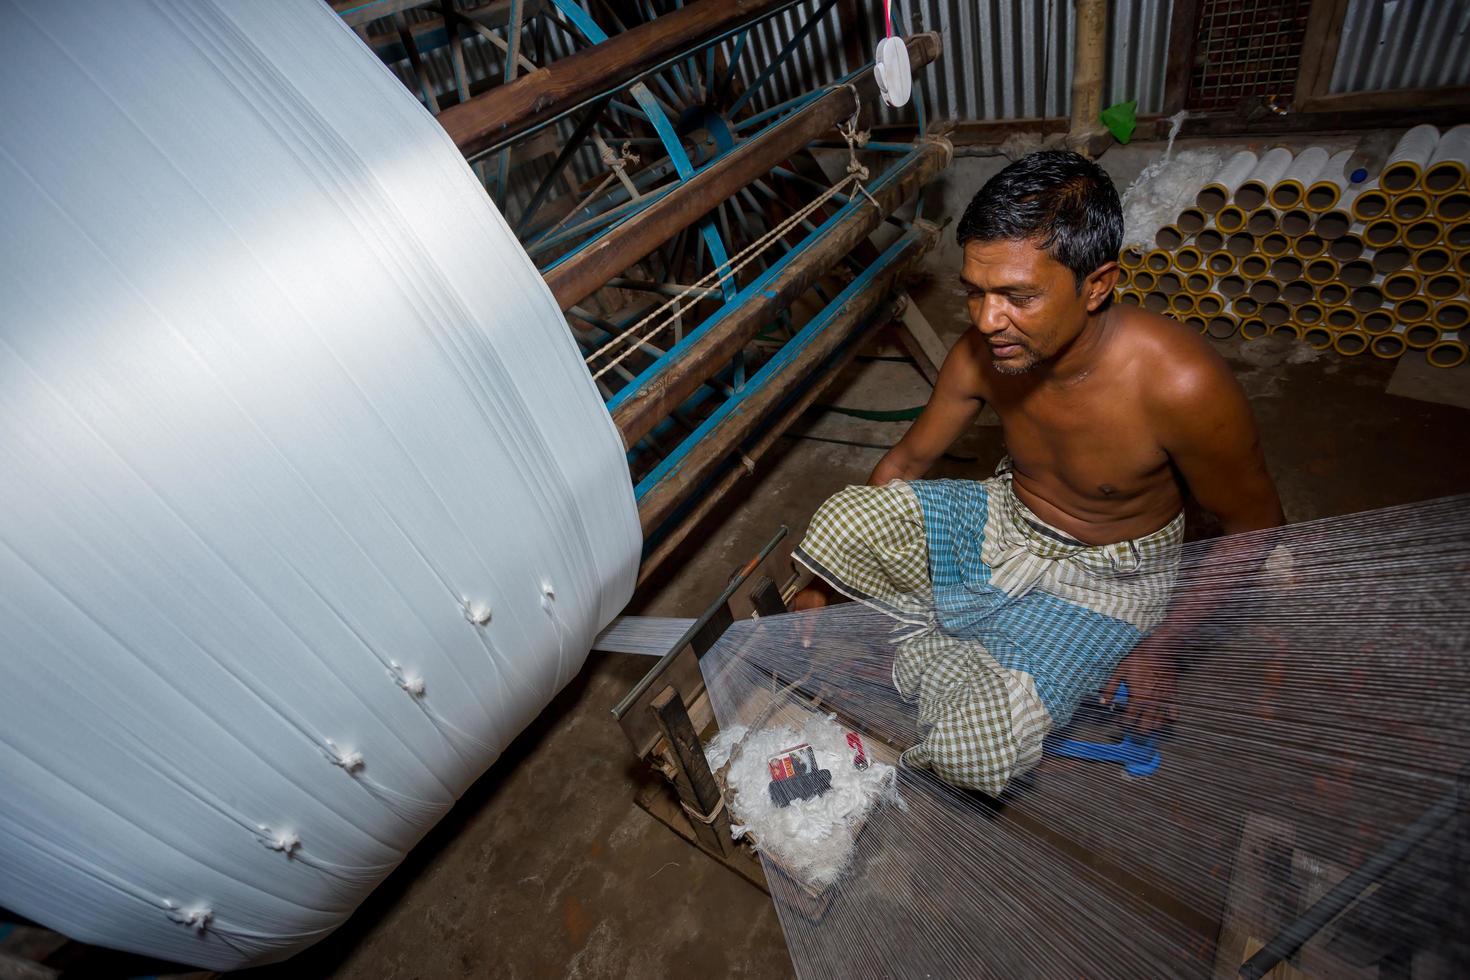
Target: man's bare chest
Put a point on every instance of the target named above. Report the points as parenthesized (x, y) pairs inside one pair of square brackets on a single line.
[(1096, 448)]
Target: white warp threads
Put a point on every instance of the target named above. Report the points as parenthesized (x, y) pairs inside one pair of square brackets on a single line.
[(1325, 688), (277, 389)]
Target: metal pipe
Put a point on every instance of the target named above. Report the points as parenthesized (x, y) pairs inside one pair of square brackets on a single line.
[(666, 384), (695, 459), (510, 110), (583, 273)]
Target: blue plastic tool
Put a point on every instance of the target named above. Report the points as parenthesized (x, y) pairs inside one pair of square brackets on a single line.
[(1137, 756)]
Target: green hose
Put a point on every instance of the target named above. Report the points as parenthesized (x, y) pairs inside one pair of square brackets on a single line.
[(877, 415)]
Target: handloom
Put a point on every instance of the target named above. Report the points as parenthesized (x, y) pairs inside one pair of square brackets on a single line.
[(1309, 804)]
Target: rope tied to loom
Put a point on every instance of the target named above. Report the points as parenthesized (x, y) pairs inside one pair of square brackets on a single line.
[(617, 163), (664, 315)]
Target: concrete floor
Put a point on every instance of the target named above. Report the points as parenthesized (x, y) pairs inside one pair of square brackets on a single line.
[(547, 869)]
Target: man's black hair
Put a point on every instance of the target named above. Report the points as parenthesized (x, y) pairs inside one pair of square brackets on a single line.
[(1061, 200)]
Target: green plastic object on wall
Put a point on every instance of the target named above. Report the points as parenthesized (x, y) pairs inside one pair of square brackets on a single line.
[(1121, 119)]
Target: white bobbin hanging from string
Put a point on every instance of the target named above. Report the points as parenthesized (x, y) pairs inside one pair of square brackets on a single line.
[(891, 64)]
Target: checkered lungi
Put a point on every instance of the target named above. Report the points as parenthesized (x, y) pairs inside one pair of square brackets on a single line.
[(1016, 622)]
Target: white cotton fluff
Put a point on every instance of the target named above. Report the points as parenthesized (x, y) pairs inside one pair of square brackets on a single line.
[(812, 839), (1161, 191), (1164, 188)]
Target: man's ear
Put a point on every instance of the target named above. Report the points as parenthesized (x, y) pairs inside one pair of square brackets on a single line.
[(1099, 285)]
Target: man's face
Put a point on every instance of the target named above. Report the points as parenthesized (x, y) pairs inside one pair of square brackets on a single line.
[(1024, 302)]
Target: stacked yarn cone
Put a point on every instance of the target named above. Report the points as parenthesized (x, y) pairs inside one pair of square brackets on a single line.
[(1290, 244)]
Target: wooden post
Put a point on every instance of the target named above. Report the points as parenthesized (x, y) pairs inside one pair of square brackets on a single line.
[(1319, 51), (637, 416), (1183, 41), (693, 780), (1089, 61), (920, 341), (766, 597)]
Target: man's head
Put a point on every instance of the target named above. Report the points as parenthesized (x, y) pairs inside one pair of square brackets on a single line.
[(1041, 240)]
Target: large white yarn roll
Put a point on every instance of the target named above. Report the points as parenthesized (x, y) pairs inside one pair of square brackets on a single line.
[(307, 502)]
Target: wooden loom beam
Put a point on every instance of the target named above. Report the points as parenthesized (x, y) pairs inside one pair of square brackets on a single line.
[(506, 111), (654, 400), (588, 270)]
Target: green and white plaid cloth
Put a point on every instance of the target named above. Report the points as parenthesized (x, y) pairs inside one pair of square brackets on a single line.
[(1015, 622)]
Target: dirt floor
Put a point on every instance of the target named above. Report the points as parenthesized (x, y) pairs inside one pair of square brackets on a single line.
[(547, 869)]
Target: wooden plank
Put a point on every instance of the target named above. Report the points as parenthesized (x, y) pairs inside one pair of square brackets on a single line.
[(869, 304), (694, 782), (1268, 123), (919, 339), (736, 474), (1398, 98), (1183, 41), (1319, 50), (638, 723), (508, 110), (684, 372)]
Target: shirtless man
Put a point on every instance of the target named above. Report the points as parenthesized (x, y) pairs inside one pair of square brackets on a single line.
[(1109, 413)]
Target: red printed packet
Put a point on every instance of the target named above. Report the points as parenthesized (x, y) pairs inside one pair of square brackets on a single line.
[(792, 762)]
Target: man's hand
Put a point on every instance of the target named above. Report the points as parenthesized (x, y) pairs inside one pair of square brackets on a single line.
[(1150, 673)]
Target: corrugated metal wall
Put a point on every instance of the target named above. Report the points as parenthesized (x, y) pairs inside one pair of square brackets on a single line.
[(1003, 59), (1389, 44)]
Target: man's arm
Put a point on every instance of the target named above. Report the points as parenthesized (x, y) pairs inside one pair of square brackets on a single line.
[(1205, 425), (952, 406)]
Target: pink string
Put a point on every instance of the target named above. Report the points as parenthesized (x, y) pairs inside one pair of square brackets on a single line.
[(888, 16)]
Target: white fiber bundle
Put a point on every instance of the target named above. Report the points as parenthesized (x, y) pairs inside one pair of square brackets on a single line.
[(307, 502), (1161, 191), (812, 839)]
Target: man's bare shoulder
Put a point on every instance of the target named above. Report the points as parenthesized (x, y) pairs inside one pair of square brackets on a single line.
[(1177, 366), (966, 366)]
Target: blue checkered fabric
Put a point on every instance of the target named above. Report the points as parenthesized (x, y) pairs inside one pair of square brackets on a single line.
[(1069, 648)]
